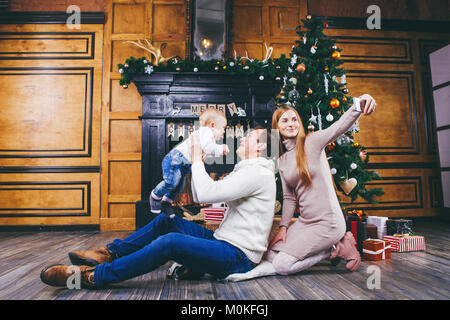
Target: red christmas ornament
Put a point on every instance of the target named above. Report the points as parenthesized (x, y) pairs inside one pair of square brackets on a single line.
[(325, 24), (331, 146)]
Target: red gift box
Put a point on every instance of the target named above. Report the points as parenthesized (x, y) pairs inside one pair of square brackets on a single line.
[(213, 214), (406, 243), (376, 250)]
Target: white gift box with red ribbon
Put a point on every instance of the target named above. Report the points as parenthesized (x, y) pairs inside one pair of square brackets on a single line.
[(213, 214), (406, 243)]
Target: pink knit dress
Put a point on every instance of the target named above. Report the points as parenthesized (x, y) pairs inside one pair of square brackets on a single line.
[(321, 223)]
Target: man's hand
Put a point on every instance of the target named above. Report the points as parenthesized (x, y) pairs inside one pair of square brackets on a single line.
[(225, 149), (280, 236), (367, 104), (196, 148)]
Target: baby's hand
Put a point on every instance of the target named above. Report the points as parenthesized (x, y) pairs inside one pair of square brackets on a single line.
[(225, 149)]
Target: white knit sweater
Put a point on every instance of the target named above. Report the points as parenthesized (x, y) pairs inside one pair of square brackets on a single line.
[(249, 191)]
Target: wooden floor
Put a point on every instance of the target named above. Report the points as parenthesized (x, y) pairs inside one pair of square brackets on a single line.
[(407, 276)]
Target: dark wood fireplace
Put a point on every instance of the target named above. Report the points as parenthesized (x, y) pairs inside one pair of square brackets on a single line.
[(171, 99)]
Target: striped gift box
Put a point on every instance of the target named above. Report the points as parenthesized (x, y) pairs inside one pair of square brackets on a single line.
[(406, 243), (213, 214)]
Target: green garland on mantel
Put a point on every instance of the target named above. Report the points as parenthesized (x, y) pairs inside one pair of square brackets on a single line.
[(266, 69)]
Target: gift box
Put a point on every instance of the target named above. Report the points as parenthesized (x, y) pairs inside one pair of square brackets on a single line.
[(213, 214), (380, 223), (399, 226), (357, 224), (406, 242), (376, 250), (372, 231)]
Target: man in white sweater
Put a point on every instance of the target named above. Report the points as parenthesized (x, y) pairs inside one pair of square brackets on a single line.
[(236, 247)]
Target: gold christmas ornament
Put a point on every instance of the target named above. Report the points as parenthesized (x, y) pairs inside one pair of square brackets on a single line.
[(334, 103), (308, 17), (301, 67), (344, 99), (277, 206), (310, 91), (348, 185), (310, 127), (336, 55)]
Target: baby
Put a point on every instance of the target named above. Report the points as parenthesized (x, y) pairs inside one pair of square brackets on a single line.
[(177, 163)]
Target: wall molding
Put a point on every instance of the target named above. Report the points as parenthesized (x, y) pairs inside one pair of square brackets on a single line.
[(25, 17), (389, 24), (86, 150), (79, 169), (72, 227), (89, 52), (83, 186), (408, 76), (417, 203), (406, 44)]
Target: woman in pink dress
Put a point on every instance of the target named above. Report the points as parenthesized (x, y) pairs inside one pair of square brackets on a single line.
[(319, 232)]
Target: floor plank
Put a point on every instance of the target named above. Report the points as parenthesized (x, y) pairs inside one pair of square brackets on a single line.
[(421, 275)]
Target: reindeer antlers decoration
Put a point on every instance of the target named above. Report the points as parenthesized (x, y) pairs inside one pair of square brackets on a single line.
[(153, 50)]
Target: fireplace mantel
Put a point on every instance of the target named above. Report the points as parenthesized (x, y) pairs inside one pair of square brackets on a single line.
[(167, 98)]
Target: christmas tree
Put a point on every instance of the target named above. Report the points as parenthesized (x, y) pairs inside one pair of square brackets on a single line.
[(312, 87)]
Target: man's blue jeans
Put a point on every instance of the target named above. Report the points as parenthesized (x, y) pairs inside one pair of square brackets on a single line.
[(175, 166), (176, 239)]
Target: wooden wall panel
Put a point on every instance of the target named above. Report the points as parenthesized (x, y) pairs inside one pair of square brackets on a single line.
[(47, 123), (128, 18), (50, 124), (160, 22), (437, 10), (49, 199), (28, 45), (400, 117), (56, 5), (125, 136), (125, 100)]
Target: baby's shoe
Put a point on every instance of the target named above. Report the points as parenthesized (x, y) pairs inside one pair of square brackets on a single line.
[(346, 249), (155, 204), (167, 209)]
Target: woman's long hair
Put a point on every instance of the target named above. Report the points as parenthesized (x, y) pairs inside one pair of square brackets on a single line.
[(300, 154)]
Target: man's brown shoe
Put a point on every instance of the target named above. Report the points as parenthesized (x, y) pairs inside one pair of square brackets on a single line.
[(58, 275), (91, 257)]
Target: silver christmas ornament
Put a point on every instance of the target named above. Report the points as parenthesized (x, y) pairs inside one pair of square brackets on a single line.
[(329, 117), (294, 95)]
